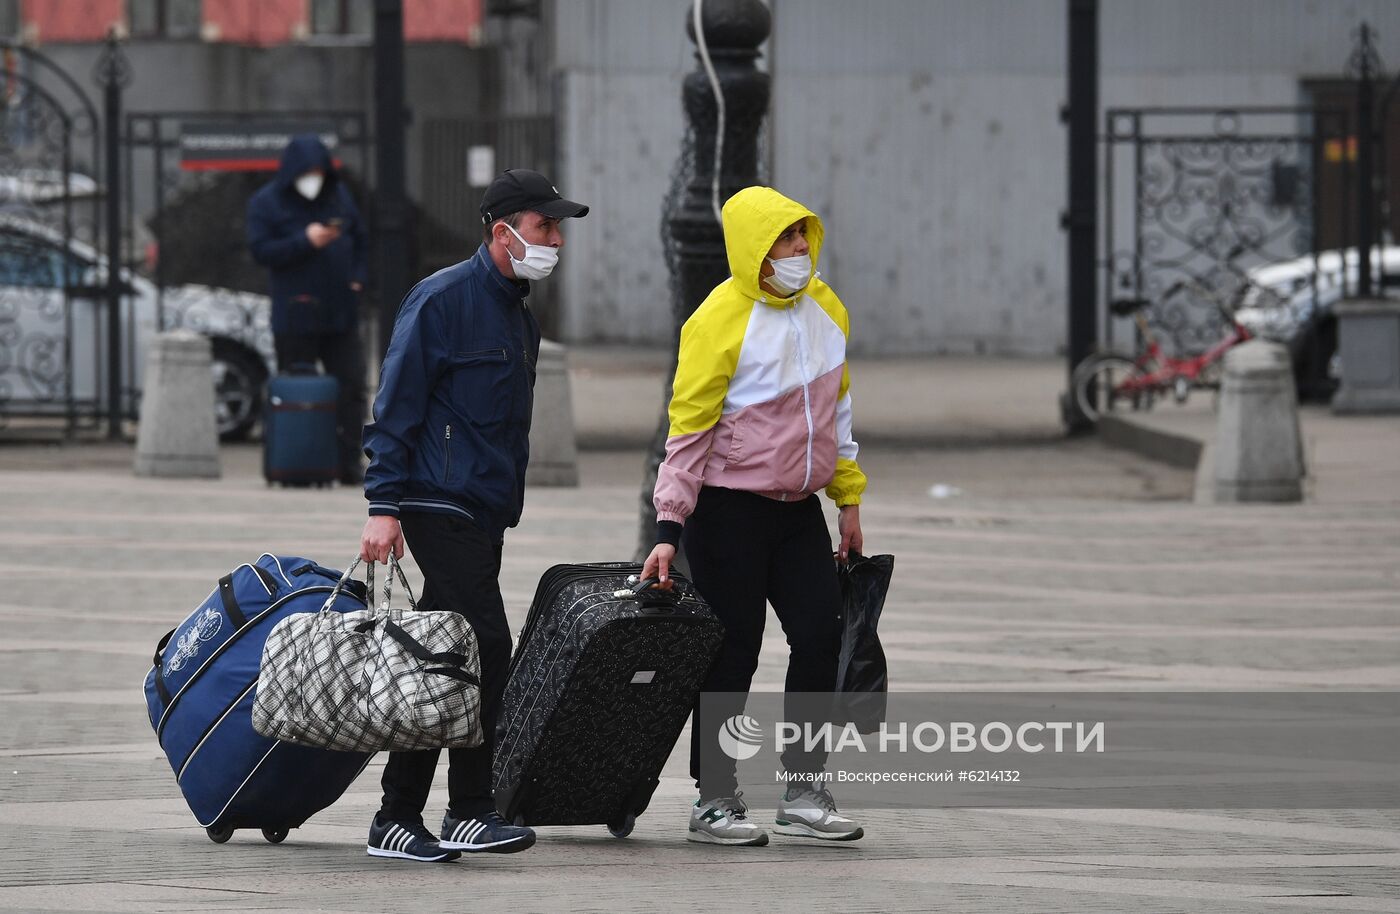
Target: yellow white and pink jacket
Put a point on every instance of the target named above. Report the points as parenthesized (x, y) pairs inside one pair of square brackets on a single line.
[(761, 400)]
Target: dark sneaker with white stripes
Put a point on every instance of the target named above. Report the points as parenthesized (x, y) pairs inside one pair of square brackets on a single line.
[(490, 834), (406, 841)]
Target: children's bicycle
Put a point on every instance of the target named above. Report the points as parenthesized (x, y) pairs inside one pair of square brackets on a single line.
[(1106, 379)]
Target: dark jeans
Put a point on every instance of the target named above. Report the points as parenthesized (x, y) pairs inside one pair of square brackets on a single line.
[(745, 551), (343, 357), (461, 566)]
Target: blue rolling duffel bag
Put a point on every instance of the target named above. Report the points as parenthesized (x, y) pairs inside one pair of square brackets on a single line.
[(200, 693)]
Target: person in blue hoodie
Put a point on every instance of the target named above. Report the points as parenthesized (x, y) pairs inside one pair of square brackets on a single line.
[(304, 227), (447, 453)]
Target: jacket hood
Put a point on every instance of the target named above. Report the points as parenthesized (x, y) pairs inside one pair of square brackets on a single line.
[(303, 153), (753, 219)]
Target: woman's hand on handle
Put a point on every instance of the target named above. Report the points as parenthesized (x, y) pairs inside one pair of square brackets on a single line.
[(658, 565), (848, 523), (381, 536)]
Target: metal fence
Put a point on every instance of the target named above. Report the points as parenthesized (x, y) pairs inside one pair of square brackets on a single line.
[(449, 229)]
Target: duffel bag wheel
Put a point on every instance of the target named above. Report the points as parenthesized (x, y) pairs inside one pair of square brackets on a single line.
[(623, 829), (275, 835), (219, 833)]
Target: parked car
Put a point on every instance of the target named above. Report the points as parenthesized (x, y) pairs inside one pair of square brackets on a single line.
[(1291, 302), (36, 330)]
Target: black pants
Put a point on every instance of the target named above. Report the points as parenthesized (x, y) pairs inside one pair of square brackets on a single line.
[(461, 566), (343, 356), (746, 550)]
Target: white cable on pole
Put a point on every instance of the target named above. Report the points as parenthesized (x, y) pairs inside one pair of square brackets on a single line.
[(719, 104)]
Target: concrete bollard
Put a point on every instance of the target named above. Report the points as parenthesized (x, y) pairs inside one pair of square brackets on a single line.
[(1258, 451), (178, 435), (1368, 340), (553, 449)]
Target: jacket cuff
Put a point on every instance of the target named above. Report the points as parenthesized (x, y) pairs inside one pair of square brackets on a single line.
[(389, 508), (668, 532), (845, 501)]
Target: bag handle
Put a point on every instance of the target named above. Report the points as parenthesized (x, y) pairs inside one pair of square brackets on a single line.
[(394, 569), (344, 579), (643, 590)]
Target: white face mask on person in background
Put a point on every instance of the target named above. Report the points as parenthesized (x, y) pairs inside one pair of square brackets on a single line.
[(309, 185), (790, 273), (538, 262)]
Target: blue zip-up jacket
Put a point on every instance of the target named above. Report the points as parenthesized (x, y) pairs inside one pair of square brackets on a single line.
[(310, 288), (451, 429)]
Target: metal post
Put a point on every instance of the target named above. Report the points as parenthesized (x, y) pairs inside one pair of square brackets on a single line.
[(1365, 64), (113, 74), (390, 196), (1081, 219), (732, 30)]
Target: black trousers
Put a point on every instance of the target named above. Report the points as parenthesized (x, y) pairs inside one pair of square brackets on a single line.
[(343, 356), (745, 551), (461, 566)]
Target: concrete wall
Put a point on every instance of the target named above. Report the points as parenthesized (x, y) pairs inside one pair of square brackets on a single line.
[(925, 132)]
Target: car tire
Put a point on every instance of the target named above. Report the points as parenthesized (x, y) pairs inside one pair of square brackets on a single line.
[(239, 377), (1316, 350)]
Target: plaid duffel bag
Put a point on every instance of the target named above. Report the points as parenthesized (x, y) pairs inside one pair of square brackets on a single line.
[(372, 679)]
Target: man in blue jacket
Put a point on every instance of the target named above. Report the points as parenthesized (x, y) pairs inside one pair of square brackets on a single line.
[(447, 453), (304, 227)]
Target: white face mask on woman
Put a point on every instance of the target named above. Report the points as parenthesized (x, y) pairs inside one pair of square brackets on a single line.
[(309, 184), (790, 273), (538, 262)]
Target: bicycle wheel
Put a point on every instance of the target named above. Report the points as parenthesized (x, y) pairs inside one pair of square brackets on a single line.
[(1098, 384)]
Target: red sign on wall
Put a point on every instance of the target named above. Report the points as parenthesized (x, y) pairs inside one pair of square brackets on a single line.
[(245, 145)]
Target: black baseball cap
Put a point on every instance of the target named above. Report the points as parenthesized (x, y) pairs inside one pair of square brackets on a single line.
[(519, 189)]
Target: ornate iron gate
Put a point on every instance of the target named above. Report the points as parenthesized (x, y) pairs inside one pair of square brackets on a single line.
[(1205, 194), (51, 327)]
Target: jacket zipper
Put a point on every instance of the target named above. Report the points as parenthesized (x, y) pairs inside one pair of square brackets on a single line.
[(806, 392), (447, 449)]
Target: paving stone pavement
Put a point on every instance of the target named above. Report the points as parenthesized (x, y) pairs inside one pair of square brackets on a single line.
[(1059, 566)]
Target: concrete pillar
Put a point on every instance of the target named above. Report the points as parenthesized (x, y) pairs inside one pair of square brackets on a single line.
[(1258, 450), (553, 449), (178, 435), (1368, 340)]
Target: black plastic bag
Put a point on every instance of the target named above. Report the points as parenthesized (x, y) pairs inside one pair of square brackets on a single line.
[(862, 678)]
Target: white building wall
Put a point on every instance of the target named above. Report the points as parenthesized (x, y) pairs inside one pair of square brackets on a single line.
[(925, 132)]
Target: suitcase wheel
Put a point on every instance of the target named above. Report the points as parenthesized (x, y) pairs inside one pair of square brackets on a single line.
[(219, 833), (275, 835), (623, 829)]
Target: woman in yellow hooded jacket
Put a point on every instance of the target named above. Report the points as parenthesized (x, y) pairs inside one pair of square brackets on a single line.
[(760, 421)]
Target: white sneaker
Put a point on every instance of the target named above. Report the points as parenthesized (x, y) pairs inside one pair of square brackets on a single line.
[(809, 813), (724, 820)]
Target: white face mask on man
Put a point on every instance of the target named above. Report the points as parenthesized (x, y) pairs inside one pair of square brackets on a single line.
[(790, 273), (309, 185), (538, 262)]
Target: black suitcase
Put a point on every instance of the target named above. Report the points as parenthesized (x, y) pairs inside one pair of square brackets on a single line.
[(601, 684)]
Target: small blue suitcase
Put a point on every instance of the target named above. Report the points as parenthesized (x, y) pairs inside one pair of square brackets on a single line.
[(299, 440), (200, 693)]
